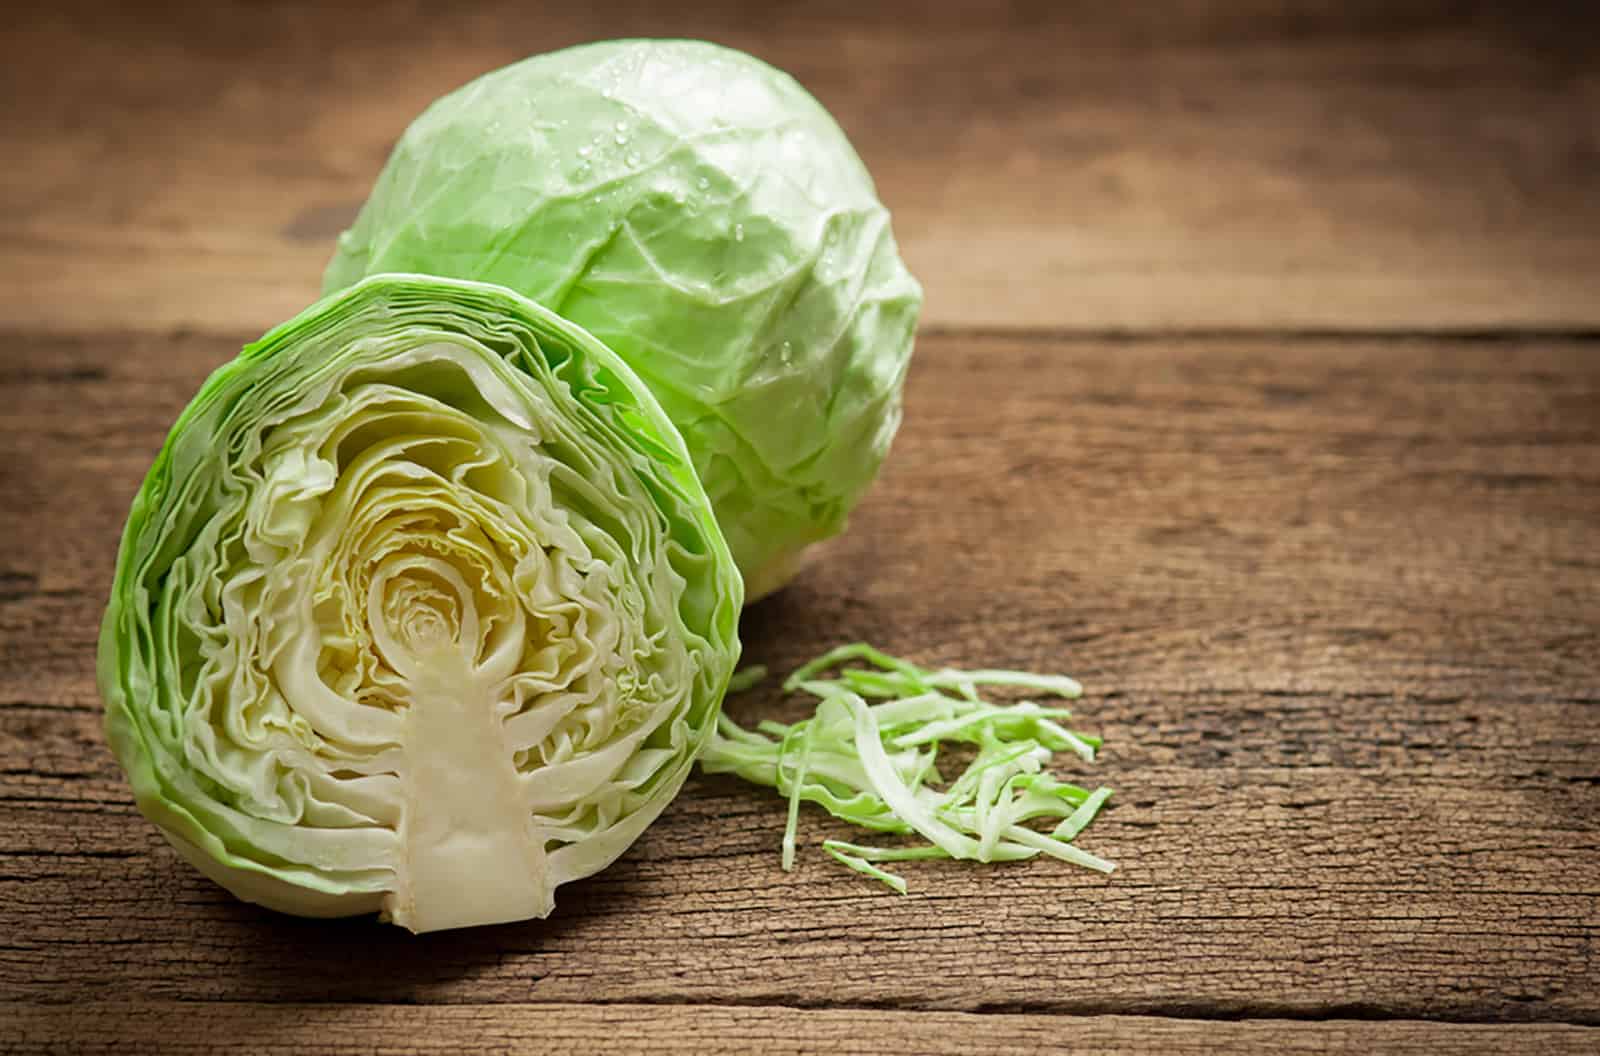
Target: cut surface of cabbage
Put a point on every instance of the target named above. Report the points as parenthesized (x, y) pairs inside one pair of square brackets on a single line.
[(421, 609)]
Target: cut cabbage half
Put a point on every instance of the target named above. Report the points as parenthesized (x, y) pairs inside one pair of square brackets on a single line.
[(421, 609)]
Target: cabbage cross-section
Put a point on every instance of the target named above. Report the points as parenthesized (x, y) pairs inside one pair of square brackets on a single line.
[(421, 610)]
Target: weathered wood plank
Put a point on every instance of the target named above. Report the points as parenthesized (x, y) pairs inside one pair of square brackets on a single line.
[(701, 1030), (1363, 166), (1243, 892), (1334, 601)]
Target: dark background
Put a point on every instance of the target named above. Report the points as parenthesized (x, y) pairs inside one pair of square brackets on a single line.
[(1258, 386)]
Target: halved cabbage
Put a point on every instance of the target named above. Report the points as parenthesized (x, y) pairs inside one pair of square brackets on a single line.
[(421, 609), (705, 217)]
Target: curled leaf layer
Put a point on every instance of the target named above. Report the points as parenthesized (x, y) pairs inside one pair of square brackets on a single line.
[(421, 609)]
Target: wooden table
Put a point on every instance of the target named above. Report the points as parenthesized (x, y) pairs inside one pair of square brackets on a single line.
[(1258, 387)]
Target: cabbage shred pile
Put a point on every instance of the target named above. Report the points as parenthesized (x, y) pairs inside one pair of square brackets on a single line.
[(876, 765)]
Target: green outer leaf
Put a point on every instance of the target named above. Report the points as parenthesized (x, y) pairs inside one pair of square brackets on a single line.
[(172, 525), (705, 217)]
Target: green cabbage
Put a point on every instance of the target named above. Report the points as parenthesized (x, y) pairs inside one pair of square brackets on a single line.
[(703, 216), (879, 766), (421, 609)]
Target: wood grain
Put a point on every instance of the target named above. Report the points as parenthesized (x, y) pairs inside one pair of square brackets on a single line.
[(1334, 601), (1366, 166), (699, 1030)]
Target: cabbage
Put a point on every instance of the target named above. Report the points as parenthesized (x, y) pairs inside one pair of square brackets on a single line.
[(421, 609), (878, 765), (703, 216)]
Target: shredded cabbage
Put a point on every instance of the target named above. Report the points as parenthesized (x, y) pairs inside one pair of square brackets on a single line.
[(876, 765)]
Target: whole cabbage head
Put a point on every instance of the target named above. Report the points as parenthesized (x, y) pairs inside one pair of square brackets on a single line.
[(421, 609), (706, 218)]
